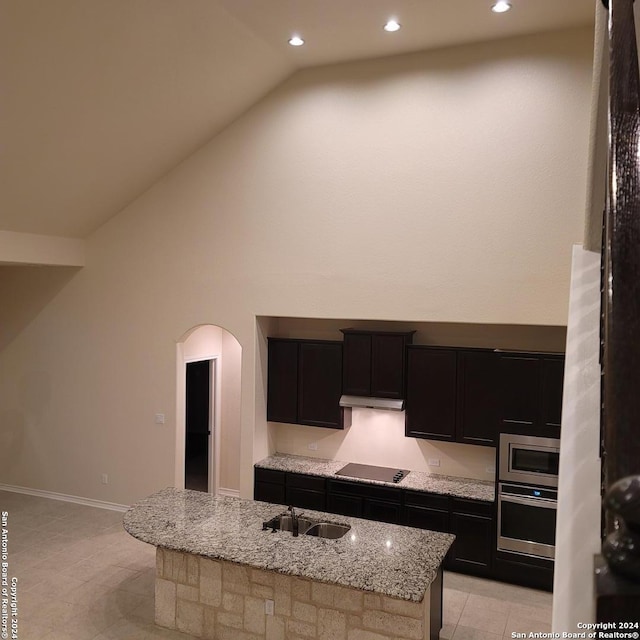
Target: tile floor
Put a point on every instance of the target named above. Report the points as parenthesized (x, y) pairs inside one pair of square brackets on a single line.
[(82, 577)]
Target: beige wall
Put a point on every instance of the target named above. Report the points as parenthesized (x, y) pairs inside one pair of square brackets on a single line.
[(445, 186), (230, 412)]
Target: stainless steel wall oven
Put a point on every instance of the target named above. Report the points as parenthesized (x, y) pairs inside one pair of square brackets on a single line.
[(527, 520)]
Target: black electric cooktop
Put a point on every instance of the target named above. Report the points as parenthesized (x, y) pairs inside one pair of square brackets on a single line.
[(369, 472)]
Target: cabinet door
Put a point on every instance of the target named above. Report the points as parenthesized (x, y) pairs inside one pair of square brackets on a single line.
[(308, 492), (471, 551), (282, 381), (478, 384), (531, 394), (306, 499), (387, 366), (268, 492), (268, 485), (320, 384), (520, 377), (472, 523), (426, 518), (344, 505), (552, 384), (357, 364), (382, 510), (431, 394)]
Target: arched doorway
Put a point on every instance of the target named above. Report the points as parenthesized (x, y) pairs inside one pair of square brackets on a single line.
[(208, 367)]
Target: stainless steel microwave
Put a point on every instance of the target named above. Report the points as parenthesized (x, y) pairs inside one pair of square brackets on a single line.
[(529, 459)]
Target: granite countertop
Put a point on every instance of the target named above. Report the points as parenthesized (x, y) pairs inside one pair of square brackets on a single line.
[(393, 560), (416, 480)]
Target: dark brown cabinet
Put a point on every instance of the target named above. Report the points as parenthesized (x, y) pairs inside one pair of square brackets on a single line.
[(307, 492), (426, 511), (364, 500), (531, 393), (320, 384), (305, 383), (452, 395), (282, 381), (269, 486), (374, 363), (431, 393), (472, 523), (477, 415)]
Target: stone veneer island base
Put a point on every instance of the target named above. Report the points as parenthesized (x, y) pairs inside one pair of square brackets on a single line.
[(218, 572)]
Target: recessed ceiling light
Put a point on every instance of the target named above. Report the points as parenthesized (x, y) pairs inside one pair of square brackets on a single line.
[(296, 41), (501, 6), (392, 25)]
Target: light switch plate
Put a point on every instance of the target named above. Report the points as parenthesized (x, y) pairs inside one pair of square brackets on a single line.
[(268, 607), (159, 418)]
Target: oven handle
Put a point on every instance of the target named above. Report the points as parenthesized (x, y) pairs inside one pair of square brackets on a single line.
[(545, 503)]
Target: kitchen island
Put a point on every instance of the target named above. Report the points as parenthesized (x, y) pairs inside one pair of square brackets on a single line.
[(220, 575)]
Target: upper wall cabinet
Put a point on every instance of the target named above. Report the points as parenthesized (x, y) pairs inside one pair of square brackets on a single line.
[(477, 409), (452, 395), (531, 393), (374, 363), (430, 410), (305, 383)]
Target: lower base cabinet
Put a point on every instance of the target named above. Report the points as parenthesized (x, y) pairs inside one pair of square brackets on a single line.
[(472, 524), (362, 500), (426, 511), (269, 486), (535, 573), (306, 492), (471, 521)]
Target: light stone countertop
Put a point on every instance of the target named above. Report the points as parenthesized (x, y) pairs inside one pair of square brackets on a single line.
[(392, 560), (415, 480)]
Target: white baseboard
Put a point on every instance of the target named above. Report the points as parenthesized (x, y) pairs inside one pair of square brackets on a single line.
[(87, 502), (230, 493)]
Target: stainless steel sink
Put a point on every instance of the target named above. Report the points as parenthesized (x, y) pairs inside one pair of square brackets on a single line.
[(284, 522), (329, 530)]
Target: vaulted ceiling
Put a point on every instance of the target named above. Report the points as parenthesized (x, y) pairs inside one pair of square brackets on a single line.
[(101, 98)]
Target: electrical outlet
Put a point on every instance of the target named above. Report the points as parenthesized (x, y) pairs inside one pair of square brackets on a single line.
[(433, 462), (268, 607), (105, 478), (491, 468), (313, 446), (159, 418)]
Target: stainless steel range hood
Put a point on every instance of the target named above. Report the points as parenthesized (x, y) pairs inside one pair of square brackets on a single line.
[(372, 403)]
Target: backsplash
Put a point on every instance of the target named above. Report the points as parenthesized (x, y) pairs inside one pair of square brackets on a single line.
[(377, 437)]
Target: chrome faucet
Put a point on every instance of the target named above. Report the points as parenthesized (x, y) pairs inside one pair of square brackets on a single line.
[(294, 522)]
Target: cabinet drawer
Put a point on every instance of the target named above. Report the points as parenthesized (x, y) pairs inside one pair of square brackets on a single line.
[(344, 505), (365, 490), (429, 500), (476, 507), (300, 481), (269, 475), (269, 492), (306, 499), (382, 511), (425, 518)]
